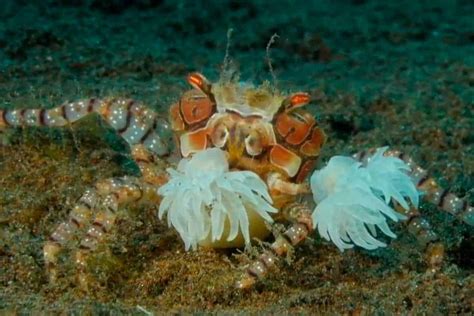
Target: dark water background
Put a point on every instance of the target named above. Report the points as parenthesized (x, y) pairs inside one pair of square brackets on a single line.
[(398, 73)]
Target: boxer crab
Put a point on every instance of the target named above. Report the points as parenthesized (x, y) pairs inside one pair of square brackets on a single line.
[(246, 155)]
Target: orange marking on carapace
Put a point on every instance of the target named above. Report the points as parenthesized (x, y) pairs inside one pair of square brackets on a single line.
[(177, 123), (193, 142), (196, 107), (294, 130), (285, 159), (312, 147)]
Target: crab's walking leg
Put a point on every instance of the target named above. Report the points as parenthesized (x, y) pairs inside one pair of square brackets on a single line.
[(101, 204), (133, 121), (277, 183), (138, 125), (78, 218), (425, 236), (283, 245), (106, 198), (152, 167), (117, 193)]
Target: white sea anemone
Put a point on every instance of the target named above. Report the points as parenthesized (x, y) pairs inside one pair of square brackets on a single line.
[(389, 178), (202, 195), (352, 199)]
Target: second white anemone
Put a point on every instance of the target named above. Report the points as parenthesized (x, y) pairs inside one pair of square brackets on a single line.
[(353, 199), (202, 197)]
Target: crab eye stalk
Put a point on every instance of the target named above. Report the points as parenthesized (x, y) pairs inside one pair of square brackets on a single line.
[(198, 81), (296, 100), (219, 136), (253, 145)]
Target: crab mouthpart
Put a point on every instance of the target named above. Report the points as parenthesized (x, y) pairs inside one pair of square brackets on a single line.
[(235, 147)]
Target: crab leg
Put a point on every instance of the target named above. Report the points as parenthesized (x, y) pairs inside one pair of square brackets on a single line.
[(283, 245), (117, 192), (103, 201), (77, 219), (425, 236), (152, 167), (140, 127), (132, 120), (101, 204), (276, 182), (106, 196)]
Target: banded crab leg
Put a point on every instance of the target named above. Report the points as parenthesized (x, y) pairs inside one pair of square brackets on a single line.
[(105, 198), (302, 226), (426, 237), (133, 121), (139, 126), (418, 226), (117, 193), (101, 203), (299, 230)]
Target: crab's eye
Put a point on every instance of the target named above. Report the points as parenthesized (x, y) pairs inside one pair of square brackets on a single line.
[(220, 135), (198, 81), (253, 143), (296, 100), (196, 107)]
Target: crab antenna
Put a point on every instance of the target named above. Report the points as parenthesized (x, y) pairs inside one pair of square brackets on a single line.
[(269, 60), (199, 82), (225, 65)]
